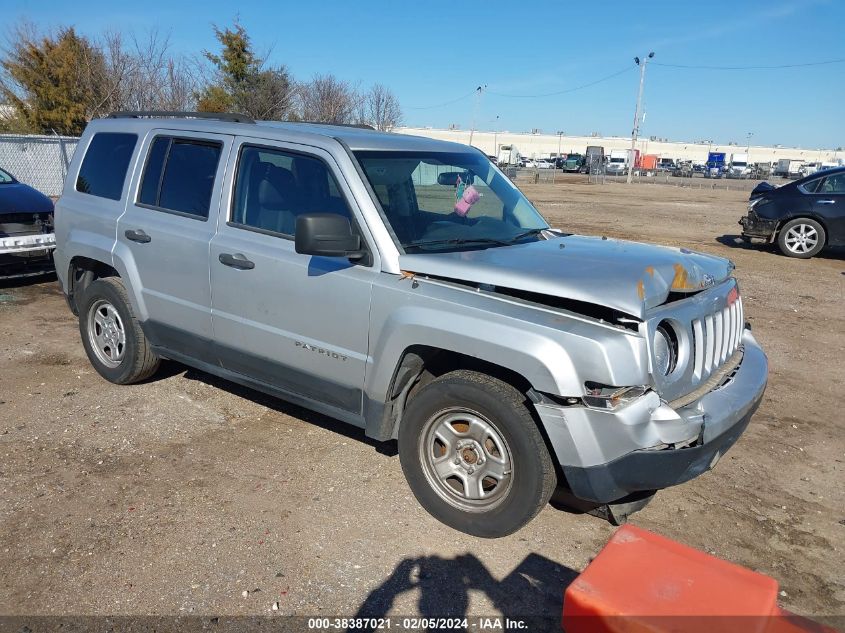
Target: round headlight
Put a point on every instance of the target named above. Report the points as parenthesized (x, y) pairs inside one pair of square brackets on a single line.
[(664, 350)]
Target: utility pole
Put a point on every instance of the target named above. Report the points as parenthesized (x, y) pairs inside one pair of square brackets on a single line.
[(636, 129), (557, 158), (496, 137), (478, 92)]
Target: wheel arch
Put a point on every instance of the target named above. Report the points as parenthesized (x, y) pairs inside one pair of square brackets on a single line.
[(418, 365), (800, 216), (82, 271)]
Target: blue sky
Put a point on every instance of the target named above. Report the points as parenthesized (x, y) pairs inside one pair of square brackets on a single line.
[(435, 52)]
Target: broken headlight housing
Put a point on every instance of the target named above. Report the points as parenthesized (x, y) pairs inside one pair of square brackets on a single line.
[(753, 203), (608, 398), (664, 349)]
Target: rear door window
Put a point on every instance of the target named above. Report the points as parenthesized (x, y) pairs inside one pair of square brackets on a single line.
[(179, 175), (833, 184), (106, 162)]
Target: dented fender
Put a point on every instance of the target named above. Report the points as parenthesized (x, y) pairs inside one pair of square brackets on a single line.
[(555, 352)]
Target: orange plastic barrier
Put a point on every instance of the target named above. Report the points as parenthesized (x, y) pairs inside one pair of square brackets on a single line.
[(644, 583)]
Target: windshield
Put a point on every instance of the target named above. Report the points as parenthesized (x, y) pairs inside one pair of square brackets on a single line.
[(443, 201), (617, 160), (5, 178), (739, 164)]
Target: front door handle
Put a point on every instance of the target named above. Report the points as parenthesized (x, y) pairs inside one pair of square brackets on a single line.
[(826, 201), (137, 235), (236, 261)]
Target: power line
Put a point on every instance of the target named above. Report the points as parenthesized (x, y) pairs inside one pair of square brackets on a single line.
[(440, 105), (560, 92), (779, 66), (547, 94)]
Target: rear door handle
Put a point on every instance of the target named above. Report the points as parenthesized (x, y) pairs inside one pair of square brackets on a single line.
[(236, 261), (826, 201), (137, 235)]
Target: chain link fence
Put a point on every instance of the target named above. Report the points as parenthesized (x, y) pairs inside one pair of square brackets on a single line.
[(38, 161)]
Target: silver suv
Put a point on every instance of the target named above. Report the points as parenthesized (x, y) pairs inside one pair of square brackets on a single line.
[(406, 286)]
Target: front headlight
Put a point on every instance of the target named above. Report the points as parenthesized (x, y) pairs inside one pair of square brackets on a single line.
[(664, 349), (609, 398)]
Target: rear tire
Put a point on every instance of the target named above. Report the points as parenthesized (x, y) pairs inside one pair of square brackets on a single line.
[(111, 334), (473, 455), (802, 238)]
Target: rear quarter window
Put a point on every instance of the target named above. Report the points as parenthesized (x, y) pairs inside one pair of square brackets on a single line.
[(105, 164), (811, 185)]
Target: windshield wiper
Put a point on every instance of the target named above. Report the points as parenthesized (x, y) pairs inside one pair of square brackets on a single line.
[(528, 233), (477, 240), (458, 241)]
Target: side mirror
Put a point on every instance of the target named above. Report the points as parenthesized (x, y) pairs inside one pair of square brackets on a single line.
[(327, 235)]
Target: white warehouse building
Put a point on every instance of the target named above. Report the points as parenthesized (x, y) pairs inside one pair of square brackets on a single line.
[(546, 145)]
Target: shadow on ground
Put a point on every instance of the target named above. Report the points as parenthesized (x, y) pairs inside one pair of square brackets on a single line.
[(280, 406), (24, 282), (532, 592)]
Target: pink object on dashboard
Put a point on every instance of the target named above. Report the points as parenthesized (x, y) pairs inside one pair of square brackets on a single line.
[(470, 197)]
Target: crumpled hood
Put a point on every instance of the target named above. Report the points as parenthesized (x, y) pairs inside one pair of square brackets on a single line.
[(17, 197), (625, 276)]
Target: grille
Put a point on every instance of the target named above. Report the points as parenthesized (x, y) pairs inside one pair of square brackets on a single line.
[(716, 336), (25, 224)]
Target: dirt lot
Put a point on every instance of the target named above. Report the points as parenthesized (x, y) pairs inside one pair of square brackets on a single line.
[(178, 495)]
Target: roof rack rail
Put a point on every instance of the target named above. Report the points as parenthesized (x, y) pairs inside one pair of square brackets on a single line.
[(360, 126), (217, 116)]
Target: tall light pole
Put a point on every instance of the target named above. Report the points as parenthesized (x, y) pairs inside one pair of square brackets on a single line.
[(478, 92), (557, 158), (496, 137), (748, 145), (636, 129)]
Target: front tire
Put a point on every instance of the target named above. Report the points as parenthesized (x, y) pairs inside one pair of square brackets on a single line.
[(111, 334), (802, 238), (473, 455)]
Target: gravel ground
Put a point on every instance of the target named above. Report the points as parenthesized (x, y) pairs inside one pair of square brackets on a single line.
[(190, 495)]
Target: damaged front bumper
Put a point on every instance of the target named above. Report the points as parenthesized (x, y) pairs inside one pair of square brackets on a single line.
[(753, 226), (648, 445), (26, 255)]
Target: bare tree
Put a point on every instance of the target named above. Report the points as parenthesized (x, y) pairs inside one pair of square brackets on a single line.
[(111, 73), (380, 108), (141, 74), (327, 99)]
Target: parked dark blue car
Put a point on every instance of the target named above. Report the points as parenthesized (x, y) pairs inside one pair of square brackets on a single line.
[(26, 229), (802, 216)]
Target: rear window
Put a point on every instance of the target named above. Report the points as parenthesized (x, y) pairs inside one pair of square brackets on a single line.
[(179, 175), (104, 167)]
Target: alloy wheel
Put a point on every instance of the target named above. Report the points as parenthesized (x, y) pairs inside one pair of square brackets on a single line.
[(106, 333), (801, 238)]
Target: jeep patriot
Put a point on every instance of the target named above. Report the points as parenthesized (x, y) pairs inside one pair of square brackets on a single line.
[(406, 286)]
